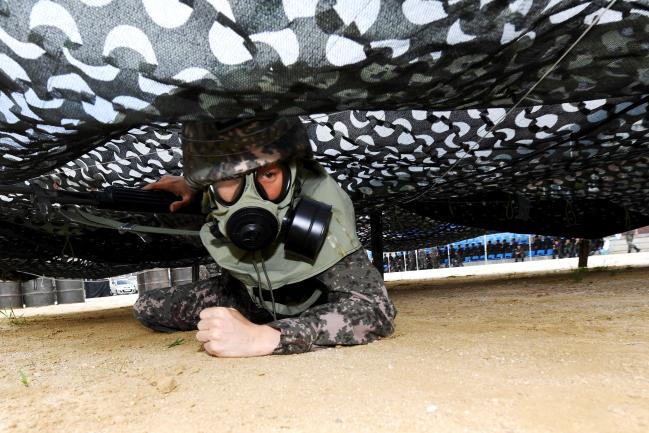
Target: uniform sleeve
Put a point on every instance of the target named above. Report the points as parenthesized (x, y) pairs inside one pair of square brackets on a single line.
[(357, 310)]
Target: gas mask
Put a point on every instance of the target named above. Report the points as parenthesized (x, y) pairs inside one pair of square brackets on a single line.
[(263, 207)]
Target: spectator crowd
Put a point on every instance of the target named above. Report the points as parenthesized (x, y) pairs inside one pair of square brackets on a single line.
[(508, 247)]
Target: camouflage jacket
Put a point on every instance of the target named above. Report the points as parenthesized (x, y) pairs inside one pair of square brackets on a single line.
[(357, 310), (354, 307)]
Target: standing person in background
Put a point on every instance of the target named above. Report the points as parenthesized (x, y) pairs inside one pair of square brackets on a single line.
[(572, 249), (498, 248), (629, 235), (564, 250), (435, 257), (556, 248), (519, 253)]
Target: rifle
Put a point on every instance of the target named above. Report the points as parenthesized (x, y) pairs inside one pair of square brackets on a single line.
[(112, 198)]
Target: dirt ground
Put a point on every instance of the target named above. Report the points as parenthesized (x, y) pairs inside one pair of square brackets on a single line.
[(556, 353)]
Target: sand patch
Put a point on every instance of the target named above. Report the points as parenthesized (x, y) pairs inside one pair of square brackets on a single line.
[(559, 353)]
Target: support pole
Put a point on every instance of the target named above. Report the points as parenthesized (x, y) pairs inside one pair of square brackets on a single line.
[(448, 254), (376, 231), (584, 249), (484, 242), (196, 272)]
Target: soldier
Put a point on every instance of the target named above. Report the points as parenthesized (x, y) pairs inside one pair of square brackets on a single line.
[(296, 275), (629, 235)]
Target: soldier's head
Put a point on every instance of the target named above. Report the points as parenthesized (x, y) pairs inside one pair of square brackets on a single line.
[(250, 171)]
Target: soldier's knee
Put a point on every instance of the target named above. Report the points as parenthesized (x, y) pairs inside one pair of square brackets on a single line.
[(148, 315), (141, 307)]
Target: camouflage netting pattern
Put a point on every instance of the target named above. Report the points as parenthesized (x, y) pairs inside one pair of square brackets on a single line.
[(439, 115)]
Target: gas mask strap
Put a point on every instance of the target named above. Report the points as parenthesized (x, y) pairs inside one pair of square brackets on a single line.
[(270, 287)]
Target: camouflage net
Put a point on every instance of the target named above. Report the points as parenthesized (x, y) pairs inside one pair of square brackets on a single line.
[(440, 116)]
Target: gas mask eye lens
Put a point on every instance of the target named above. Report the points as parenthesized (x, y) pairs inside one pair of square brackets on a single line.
[(227, 192), (273, 182)]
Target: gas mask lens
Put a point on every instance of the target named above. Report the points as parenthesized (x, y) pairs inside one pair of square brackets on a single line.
[(273, 182), (227, 192)]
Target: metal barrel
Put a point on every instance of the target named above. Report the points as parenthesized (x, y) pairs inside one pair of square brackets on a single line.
[(39, 292), (155, 279), (180, 276), (10, 294), (141, 286), (70, 291)]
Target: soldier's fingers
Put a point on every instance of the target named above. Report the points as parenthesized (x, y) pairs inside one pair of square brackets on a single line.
[(213, 312), (215, 334), (203, 336), (213, 348), (173, 207), (233, 312), (207, 312), (151, 186), (210, 323), (214, 322)]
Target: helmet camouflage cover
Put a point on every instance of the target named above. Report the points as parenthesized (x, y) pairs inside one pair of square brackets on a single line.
[(214, 151)]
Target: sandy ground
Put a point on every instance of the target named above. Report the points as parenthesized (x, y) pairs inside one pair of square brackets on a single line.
[(558, 353)]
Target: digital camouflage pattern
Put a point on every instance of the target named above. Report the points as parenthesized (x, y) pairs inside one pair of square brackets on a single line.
[(356, 310)]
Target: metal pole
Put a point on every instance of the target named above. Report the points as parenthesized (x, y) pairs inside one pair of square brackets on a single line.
[(448, 254), (484, 241), (584, 249), (405, 260), (376, 232), (196, 272), (389, 269), (529, 246), (417, 259)]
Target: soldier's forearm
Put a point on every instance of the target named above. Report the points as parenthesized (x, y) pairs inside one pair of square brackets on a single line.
[(355, 320)]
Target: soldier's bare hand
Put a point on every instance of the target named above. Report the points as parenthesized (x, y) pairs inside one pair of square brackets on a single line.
[(177, 186), (225, 332)]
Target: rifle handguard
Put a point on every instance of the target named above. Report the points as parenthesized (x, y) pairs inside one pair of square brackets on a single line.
[(138, 200)]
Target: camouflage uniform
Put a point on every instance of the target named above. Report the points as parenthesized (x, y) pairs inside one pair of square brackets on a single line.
[(355, 308)]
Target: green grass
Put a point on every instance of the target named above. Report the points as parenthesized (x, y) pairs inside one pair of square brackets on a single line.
[(23, 377), (10, 316), (177, 342)]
